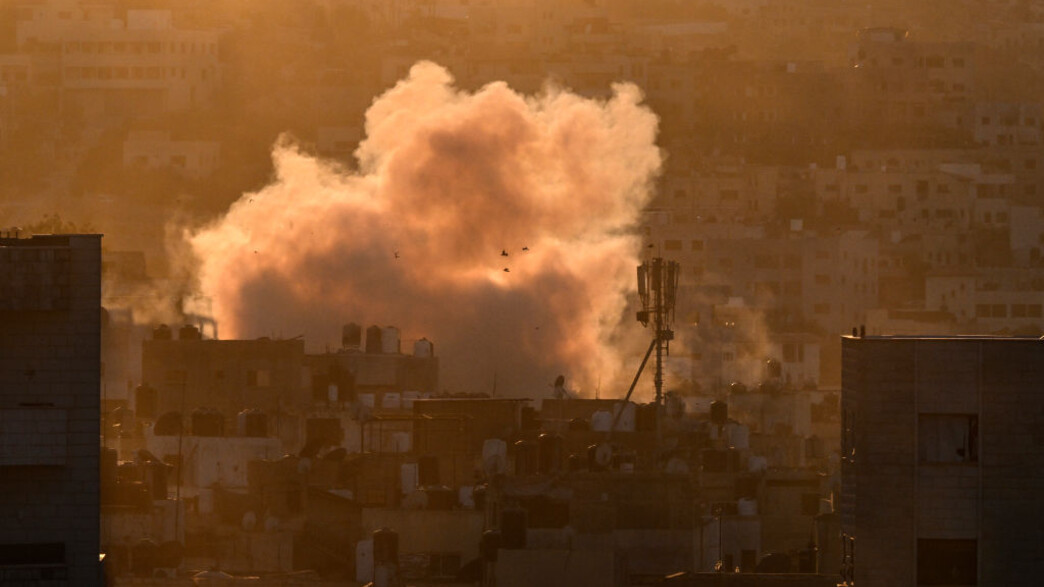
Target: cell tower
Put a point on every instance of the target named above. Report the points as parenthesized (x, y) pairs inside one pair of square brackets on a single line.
[(657, 288)]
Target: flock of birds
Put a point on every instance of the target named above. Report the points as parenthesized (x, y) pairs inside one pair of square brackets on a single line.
[(503, 253)]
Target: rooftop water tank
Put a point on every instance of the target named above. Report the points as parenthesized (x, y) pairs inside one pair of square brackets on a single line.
[(391, 400), (351, 336), (423, 349), (169, 424), (601, 421), (252, 423), (628, 416), (390, 340), (719, 412), (189, 332), (146, 401), (373, 340), (385, 547), (207, 422)]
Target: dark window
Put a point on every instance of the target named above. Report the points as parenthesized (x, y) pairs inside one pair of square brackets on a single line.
[(947, 562), (672, 245), (51, 553), (948, 438)]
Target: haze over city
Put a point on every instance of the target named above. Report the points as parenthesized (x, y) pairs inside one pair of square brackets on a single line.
[(516, 292)]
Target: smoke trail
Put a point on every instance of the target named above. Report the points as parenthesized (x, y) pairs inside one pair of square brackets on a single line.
[(447, 180)]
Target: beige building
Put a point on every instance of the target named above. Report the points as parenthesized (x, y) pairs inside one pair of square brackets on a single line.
[(108, 67), (159, 150)]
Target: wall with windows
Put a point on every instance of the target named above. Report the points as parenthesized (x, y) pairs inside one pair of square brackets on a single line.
[(941, 459)]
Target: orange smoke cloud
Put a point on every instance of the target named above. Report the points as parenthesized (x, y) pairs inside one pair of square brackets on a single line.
[(446, 180)]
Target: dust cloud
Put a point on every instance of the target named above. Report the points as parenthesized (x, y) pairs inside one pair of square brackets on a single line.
[(500, 226)]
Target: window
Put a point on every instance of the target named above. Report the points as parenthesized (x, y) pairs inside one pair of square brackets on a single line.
[(821, 308), (697, 245), (52, 553), (672, 245), (948, 438), (947, 562), (259, 378)]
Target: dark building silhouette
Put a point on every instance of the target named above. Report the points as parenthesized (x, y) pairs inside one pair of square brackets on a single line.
[(50, 368), (942, 467)]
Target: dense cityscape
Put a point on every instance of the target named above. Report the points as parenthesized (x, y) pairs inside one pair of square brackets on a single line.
[(521, 292)]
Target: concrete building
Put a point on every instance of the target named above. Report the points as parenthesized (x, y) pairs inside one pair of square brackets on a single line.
[(228, 375), (941, 461), (195, 159), (50, 358), (107, 66)]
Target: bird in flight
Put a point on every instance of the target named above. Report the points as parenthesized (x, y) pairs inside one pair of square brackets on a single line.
[(525, 248), (506, 270), (396, 254), (503, 253)]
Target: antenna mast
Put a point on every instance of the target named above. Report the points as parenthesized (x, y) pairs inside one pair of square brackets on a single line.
[(657, 288)]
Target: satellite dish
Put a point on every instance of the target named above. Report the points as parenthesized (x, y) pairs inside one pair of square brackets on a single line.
[(603, 455)]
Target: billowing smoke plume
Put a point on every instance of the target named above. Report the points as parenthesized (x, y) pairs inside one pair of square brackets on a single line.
[(447, 180)]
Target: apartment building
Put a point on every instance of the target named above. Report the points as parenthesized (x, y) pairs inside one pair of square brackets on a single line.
[(112, 65), (50, 362), (941, 460)]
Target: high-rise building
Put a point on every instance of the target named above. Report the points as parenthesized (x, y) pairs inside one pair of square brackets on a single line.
[(942, 460), (50, 368)]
